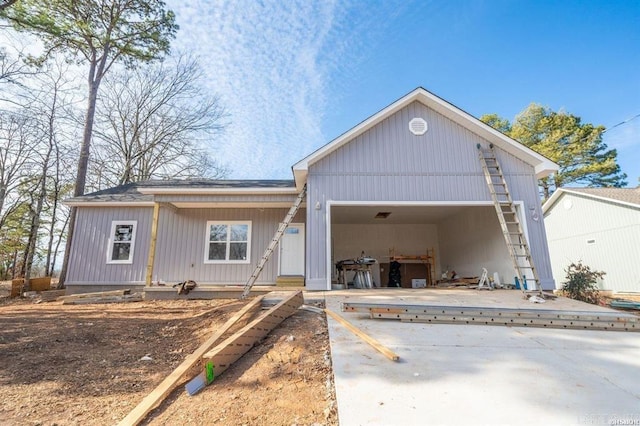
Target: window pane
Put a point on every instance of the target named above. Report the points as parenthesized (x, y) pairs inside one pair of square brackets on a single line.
[(123, 233), (239, 232), (217, 251), (120, 251), (218, 233), (238, 251)]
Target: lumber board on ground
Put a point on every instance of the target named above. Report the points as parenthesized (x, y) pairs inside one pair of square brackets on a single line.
[(104, 299), (97, 294), (370, 340), (51, 295), (231, 349), (169, 383)]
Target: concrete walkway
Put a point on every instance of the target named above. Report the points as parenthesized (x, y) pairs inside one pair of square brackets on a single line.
[(484, 375)]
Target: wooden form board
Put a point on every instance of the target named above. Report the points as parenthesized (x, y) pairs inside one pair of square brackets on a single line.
[(104, 299), (230, 350), (169, 383), (546, 318), (96, 294)]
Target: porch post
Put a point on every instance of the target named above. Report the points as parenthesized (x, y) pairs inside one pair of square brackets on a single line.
[(152, 243)]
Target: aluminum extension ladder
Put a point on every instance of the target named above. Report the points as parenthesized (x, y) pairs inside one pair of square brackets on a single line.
[(508, 218), (274, 242)]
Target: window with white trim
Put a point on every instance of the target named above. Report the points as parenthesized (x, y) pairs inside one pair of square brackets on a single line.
[(228, 242), (122, 241)]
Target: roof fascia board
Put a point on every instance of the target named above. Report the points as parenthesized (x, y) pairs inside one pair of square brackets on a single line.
[(543, 166), (108, 203), (214, 191)]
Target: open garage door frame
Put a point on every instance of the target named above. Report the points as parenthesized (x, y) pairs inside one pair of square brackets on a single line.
[(331, 203)]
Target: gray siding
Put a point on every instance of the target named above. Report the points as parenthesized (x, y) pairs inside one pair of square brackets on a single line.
[(179, 249), (181, 244), (389, 163), (88, 257), (615, 230)]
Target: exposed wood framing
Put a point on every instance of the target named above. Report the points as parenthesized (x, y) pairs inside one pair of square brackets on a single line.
[(169, 383), (546, 318), (370, 340), (227, 352), (152, 243)]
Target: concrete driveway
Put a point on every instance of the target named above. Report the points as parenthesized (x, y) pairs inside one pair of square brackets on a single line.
[(484, 375)]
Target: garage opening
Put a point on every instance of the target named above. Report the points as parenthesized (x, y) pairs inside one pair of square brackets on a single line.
[(431, 243)]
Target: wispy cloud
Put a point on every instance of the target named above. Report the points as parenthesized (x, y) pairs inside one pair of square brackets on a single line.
[(271, 63)]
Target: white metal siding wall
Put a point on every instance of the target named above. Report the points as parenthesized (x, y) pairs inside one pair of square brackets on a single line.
[(615, 229), (88, 257), (388, 163)]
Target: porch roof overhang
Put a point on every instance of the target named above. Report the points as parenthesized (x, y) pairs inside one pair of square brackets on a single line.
[(543, 166), (194, 194)]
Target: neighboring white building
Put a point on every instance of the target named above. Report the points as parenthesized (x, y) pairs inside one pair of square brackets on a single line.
[(601, 228)]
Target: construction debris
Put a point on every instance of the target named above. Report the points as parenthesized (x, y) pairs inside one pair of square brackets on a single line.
[(546, 318), (185, 287), (625, 304)]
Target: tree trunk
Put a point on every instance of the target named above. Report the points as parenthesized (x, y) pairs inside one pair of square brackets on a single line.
[(95, 78)]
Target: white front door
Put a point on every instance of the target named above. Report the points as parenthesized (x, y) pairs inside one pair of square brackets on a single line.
[(292, 250)]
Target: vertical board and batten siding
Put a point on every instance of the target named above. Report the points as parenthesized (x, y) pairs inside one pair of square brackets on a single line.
[(181, 244), (615, 229), (88, 259), (388, 163)]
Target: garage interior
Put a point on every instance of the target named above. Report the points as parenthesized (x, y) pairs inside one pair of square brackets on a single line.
[(460, 238)]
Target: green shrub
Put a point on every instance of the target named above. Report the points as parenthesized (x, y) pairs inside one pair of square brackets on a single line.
[(581, 282)]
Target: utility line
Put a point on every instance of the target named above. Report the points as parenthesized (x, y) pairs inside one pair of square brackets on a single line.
[(621, 123)]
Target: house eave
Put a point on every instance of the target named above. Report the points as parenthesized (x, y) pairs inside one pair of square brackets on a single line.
[(108, 203), (216, 191)]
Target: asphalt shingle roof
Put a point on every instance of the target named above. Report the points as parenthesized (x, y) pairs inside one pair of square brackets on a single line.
[(627, 195), (130, 192)]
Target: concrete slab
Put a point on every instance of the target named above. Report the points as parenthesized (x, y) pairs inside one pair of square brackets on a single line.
[(470, 374)]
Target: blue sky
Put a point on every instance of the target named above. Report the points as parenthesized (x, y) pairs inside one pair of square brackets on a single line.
[(295, 74)]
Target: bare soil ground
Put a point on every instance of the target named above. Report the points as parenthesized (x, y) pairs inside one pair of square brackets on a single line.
[(81, 365)]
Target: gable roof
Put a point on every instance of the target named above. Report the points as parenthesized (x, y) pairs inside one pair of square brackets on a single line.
[(629, 197), (542, 165), (141, 193)]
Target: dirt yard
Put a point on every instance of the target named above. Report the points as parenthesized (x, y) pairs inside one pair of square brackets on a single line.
[(81, 365)]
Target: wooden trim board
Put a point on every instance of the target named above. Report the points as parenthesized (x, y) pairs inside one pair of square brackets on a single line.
[(227, 352), (168, 384), (370, 340)]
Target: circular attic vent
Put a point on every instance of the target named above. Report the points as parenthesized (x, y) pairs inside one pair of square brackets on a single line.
[(418, 126)]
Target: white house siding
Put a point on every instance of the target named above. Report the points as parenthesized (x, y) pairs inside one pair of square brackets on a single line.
[(180, 247), (615, 229), (388, 163), (88, 256)]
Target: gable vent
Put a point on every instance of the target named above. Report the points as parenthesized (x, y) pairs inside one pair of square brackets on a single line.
[(418, 126)]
